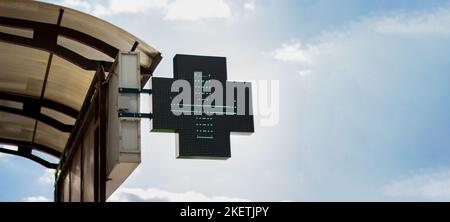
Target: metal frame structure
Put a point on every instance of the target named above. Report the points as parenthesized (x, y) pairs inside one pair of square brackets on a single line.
[(25, 152), (93, 108), (45, 38)]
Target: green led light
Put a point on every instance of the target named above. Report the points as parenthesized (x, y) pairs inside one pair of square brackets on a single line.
[(205, 137)]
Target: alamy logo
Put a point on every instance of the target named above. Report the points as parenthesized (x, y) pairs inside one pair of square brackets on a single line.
[(208, 98)]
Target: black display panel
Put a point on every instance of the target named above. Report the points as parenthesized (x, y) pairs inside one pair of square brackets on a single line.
[(202, 133)]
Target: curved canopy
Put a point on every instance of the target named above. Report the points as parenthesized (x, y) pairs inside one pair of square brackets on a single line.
[(48, 58)]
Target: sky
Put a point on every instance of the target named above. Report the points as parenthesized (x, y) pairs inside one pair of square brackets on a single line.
[(360, 112)]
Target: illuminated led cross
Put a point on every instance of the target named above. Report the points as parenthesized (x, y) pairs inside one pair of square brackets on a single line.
[(203, 123)]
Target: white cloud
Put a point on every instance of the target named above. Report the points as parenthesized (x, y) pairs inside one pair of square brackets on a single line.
[(360, 75), (78, 4), (9, 147), (293, 52), (37, 199), (119, 7), (429, 185), (152, 194), (434, 22), (194, 10), (48, 177), (332, 44), (176, 10), (304, 73), (249, 5)]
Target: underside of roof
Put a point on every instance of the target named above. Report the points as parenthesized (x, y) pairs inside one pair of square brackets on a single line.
[(48, 58)]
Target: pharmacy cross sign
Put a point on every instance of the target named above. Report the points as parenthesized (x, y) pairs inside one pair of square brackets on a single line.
[(201, 106)]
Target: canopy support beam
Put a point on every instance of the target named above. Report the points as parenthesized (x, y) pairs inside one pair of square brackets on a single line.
[(35, 146), (37, 115), (27, 100), (26, 153)]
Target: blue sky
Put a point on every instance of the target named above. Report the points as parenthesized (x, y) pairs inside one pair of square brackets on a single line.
[(363, 101)]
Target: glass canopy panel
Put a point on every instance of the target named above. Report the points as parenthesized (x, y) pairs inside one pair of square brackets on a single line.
[(61, 117), (16, 127), (88, 161), (27, 33), (45, 156), (108, 33), (66, 187), (75, 177), (82, 49), (67, 83), (22, 69), (29, 10), (11, 104), (51, 137)]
